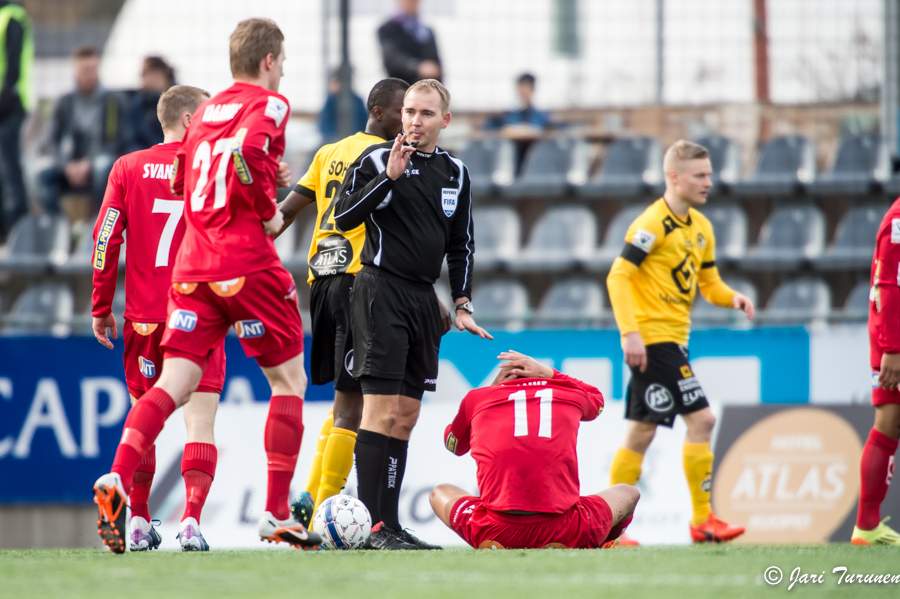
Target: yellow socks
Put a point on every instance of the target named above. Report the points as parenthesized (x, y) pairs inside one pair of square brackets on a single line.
[(337, 461), (625, 467), (698, 460), (315, 469)]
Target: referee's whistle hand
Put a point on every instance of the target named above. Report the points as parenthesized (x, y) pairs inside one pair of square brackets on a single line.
[(635, 352), (398, 158), (465, 322)]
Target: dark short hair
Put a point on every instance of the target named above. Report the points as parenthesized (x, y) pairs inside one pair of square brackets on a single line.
[(178, 100), (86, 51), (156, 63), (526, 78), (384, 91)]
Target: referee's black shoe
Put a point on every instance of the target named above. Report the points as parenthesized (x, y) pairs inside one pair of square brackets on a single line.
[(412, 539), (386, 539)]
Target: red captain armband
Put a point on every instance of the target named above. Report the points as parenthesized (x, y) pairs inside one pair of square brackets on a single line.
[(450, 444)]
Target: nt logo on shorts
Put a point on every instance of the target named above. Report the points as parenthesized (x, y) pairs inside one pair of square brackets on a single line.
[(183, 320), (248, 329), (148, 368)]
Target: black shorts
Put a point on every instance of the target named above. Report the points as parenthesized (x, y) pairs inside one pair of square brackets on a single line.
[(331, 356), (396, 329), (667, 388)]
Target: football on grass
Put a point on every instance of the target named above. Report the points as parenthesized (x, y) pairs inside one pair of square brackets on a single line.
[(343, 522)]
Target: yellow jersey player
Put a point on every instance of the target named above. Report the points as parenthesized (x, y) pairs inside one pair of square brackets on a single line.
[(333, 264), (669, 252)]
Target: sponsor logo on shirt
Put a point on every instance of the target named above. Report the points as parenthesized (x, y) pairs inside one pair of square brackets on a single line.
[(158, 171), (237, 155), (148, 368), (411, 171), (643, 240), (686, 371), (895, 230), (219, 113), (248, 329), (431, 381), (276, 109), (701, 241), (451, 443), (109, 222), (183, 320), (449, 199), (658, 398)]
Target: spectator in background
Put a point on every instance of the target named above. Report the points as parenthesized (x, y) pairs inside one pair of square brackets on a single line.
[(527, 114), (89, 131), (328, 116), (408, 45), (16, 59), (157, 76)]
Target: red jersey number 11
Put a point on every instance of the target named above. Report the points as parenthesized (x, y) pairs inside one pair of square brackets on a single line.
[(519, 399), (203, 160)]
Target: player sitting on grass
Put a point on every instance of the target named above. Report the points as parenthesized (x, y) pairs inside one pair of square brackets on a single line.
[(522, 432)]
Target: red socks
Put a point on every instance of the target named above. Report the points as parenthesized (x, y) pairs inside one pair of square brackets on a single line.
[(284, 431), (143, 478), (875, 471), (143, 425), (198, 467)]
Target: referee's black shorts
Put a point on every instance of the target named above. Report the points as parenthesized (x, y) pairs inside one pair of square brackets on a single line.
[(665, 389), (331, 356), (396, 330)]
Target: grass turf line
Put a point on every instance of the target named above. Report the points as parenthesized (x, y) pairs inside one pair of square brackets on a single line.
[(660, 572)]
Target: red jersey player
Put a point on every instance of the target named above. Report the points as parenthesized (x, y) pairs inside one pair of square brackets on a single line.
[(522, 432), (138, 199), (876, 466), (227, 273)]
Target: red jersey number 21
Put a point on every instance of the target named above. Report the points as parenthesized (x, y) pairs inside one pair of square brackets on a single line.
[(519, 399), (203, 158)]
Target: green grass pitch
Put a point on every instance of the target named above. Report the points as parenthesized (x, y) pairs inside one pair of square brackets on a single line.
[(659, 572)]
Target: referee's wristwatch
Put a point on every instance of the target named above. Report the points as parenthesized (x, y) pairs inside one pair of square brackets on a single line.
[(467, 306)]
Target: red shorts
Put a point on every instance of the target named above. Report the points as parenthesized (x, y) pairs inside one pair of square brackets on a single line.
[(262, 307), (143, 359), (881, 396), (585, 525)]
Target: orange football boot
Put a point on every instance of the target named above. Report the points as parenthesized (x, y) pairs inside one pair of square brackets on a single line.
[(715, 531), (109, 495)]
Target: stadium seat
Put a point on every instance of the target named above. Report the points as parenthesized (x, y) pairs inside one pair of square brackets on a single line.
[(861, 165), (491, 163), (704, 312), (42, 309), (36, 244), (857, 305), (551, 168), (601, 259), (784, 166), (632, 167), (497, 236), (563, 237), (730, 228), (503, 303), (854, 240), (571, 303), (791, 236), (799, 300), (80, 260), (725, 156)]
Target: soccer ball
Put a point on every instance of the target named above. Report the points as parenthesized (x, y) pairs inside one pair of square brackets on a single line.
[(343, 522)]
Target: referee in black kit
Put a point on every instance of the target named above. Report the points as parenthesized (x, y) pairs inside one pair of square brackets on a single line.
[(416, 203)]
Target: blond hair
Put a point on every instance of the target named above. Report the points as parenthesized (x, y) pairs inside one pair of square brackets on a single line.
[(177, 100), (250, 43), (431, 84), (680, 152)]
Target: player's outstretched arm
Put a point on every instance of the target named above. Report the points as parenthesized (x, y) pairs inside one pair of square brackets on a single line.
[(465, 322), (291, 207)]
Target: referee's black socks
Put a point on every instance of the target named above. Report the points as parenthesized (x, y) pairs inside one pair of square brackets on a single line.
[(370, 457), (391, 481)]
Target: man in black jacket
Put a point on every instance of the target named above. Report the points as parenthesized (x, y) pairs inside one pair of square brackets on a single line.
[(408, 46), (416, 203)]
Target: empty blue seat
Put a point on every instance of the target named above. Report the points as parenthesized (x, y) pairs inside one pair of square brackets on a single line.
[(854, 240), (790, 236), (861, 165), (784, 166), (577, 302), (491, 163), (563, 237), (632, 167), (552, 167)]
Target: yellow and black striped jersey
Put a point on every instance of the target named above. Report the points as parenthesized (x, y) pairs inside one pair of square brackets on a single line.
[(671, 257), (333, 251)]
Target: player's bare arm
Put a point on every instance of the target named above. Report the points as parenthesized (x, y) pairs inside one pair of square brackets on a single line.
[(291, 207), (398, 158), (99, 325)]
